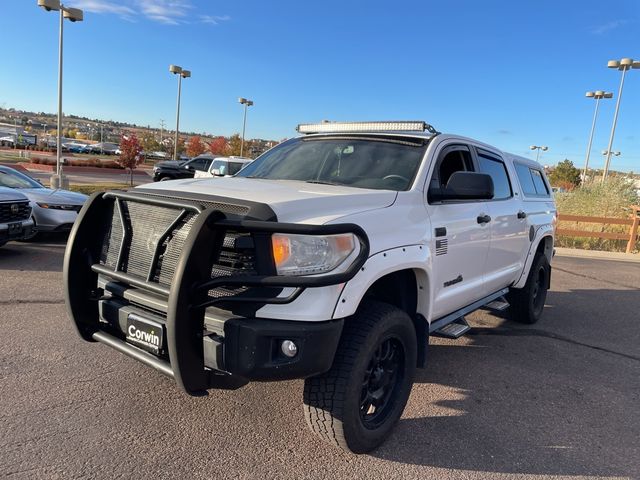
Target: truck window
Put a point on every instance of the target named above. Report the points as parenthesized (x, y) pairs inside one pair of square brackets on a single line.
[(498, 172), (533, 185), (200, 163), (538, 182), (378, 162), (455, 161), (235, 167)]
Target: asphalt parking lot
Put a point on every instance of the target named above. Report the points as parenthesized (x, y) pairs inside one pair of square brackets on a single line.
[(559, 399)]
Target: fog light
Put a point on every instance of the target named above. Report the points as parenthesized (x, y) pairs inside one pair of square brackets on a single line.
[(289, 349)]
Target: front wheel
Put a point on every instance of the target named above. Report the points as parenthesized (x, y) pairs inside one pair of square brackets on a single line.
[(356, 404), (527, 303)]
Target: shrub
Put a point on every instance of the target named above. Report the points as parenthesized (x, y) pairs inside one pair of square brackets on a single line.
[(610, 199)]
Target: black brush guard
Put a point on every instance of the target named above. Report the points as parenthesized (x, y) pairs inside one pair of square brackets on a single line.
[(188, 294)]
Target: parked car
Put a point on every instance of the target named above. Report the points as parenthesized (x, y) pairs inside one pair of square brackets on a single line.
[(76, 147), (332, 258), (51, 210), (172, 169), (15, 216), (224, 167)]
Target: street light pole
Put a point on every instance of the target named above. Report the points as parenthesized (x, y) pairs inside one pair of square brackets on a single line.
[(246, 103), (538, 148), (177, 70), (623, 65), (175, 141), (598, 95), (59, 132), (74, 15)]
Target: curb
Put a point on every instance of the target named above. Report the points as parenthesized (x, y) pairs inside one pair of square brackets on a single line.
[(598, 255)]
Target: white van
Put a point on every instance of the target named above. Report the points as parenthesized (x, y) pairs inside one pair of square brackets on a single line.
[(224, 167)]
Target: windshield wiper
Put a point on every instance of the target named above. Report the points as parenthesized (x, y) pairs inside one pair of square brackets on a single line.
[(321, 182)]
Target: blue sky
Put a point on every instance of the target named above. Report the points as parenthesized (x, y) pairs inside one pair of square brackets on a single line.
[(510, 73)]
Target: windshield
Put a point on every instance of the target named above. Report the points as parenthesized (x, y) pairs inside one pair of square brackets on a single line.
[(383, 163), (17, 180)]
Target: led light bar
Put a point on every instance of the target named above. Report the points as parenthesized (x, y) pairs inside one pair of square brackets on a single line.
[(340, 127)]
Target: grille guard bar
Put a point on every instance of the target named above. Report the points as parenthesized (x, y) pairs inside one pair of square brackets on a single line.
[(188, 294)]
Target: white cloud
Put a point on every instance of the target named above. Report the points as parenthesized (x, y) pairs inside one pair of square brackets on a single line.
[(608, 26), (214, 19), (168, 12), (104, 6)]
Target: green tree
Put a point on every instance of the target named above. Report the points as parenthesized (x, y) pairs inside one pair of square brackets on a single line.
[(565, 174), (149, 142), (233, 145)]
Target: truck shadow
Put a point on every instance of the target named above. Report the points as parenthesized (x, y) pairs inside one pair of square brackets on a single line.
[(557, 398)]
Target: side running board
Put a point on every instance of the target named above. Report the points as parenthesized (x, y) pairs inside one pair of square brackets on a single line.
[(441, 328)]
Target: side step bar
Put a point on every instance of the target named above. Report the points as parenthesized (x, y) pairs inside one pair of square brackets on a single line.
[(458, 316), (499, 305), (454, 330)]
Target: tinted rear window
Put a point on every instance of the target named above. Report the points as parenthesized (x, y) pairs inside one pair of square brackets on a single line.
[(538, 181), (531, 180)]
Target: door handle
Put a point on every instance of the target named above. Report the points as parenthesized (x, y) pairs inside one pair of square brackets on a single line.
[(522, 214), (483, 219)]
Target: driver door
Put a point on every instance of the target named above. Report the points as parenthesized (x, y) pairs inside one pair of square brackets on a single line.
[(460, 242)]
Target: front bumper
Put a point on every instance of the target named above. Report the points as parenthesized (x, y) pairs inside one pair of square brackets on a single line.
[(53, 220), (243, 348), (25, 231), (203, 348)]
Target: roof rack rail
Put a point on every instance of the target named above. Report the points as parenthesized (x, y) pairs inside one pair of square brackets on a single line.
[(339, 127)]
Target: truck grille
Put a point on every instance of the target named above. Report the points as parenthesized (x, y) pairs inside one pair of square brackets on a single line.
[(146, 224), (14, 211)]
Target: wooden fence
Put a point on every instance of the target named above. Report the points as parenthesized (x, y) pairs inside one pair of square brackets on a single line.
[(633, 221)]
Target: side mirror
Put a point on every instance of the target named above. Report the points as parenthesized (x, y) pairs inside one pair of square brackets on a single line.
[(465, 186), (189, 167), (216, 173)]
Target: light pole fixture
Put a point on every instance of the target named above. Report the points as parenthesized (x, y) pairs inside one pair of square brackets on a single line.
[(73, 15), (246, 103), (597, 96), (538, 148), (623, 65), (608, 154), (176, 70)]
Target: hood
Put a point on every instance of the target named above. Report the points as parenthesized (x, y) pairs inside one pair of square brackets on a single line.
[(10, 195), (292, 201), (60, 197), (170, 164)]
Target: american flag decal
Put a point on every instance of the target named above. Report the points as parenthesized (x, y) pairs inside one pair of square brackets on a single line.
[(441, 246)]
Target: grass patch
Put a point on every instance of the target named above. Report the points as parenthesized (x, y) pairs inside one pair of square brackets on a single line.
[(595, 199), (97, 187)]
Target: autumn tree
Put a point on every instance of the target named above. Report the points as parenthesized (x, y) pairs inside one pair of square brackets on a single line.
[(195, 146), (218, 146), (565, 174), (233, 147), (130, 157)]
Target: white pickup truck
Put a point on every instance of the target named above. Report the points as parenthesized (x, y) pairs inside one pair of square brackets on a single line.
[(332, 257)]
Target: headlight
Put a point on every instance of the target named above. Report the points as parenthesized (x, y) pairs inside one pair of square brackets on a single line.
[(60, 207), (310, 254)]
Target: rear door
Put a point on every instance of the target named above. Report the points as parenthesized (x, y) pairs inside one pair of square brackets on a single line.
[(509, 227), (460, 242)]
